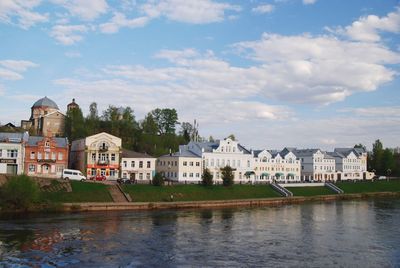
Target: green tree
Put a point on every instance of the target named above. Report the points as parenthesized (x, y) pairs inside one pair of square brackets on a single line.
[(158, 180), (19, 192), (232, 137), (361, 146), (376, 157), (207, 178), (166, 120), (92, 121), (187, 131), (75, 127), (388, 162), (227, 176), (149, 125)]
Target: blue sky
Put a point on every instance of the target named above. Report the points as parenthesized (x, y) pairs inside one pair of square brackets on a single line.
[(305, 73)]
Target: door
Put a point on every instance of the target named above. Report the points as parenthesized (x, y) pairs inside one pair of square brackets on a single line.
[(45, 169), (12, 169)]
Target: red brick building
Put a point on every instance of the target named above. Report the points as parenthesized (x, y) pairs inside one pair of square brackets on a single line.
[(46, 156)]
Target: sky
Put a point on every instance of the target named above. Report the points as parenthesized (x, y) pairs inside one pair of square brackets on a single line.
[(275, 73)]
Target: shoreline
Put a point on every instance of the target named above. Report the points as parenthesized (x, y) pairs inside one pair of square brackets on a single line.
[(264, 202)]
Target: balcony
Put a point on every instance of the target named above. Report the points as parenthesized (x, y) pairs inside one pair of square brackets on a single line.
[(103, 162), (103, 148)]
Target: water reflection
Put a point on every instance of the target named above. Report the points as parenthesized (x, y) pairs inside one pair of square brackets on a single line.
[(360, 233)]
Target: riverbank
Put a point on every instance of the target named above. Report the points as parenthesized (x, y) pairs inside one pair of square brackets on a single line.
[(278, 201)]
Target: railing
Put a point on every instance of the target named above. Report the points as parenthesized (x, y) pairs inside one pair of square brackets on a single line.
[(103, 162), (282, 190), (334, 188), (103, 149)]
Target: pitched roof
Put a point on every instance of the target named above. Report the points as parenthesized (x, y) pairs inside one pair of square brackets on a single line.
[(13, 137), (132, 154), (305, 152), (61, 142), (183, 153)]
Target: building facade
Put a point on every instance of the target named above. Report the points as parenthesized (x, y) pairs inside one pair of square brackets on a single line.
[(46, 156), (46, 119), (182, 166), (351, 163), (316, 165), (12, 148), (283, 166), (137, 166), (97, 155)]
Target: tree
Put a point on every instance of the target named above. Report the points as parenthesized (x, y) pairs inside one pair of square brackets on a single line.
[(20, 192), (149, 125), (158, 179), (75, 127), (377, 153), (207, 178), (166, 120), (227, 176), (232, 137), (92, 121), (388, 162), (187, 131), (360, 146)]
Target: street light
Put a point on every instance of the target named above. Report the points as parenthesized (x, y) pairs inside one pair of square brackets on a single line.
[(389, 171)]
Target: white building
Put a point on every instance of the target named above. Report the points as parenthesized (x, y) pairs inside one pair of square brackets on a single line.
[(183, 166), (12, 152), (97, 155), (222, 153), (277, 166), (137, 166), (316, 165), (351, 163)]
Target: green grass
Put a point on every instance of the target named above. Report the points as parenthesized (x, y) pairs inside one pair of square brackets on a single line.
[(310, 191), (149, 193), (369, 186), (81, 192)]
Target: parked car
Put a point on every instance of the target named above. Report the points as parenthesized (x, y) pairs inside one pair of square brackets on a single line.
[(382, 178), (72, 174), (98, 178)]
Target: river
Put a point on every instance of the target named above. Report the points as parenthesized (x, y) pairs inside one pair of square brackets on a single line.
[(336, 234)]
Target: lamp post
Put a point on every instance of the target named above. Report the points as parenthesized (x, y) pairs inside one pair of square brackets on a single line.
[(389, 171)]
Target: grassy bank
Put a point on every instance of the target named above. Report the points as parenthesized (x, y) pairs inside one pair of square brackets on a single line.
[(81, 192), (310, 191), (149, 193), (369, 187)]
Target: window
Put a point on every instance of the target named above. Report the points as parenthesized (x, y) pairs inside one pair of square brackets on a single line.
[(148, 176), (12, 153), (93, 172), (61, 156), (47, 144), (184, 163), (140, 164), (112, 157), (132, 164), (184, 174), (140, 176), (148, 164), (60, 168), (94, 157), (197, 164), (32, 155), (39, 156), (112, 172), (46, 155), (1, 153), (53, 156), (238, 163), (32, 168), (191, 164), (125, 164), (191, 175), (212, 162), (197, 175)]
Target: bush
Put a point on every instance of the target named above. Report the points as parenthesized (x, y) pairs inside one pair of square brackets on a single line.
[(227, 176), (20, 192), (207, 178), (157, 180)]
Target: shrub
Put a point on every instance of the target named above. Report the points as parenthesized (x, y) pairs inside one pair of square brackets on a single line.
[(20, 192), (207, 178), (227, 176), (157, 180)]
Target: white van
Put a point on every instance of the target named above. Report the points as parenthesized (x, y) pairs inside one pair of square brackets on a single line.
[(72, 174)]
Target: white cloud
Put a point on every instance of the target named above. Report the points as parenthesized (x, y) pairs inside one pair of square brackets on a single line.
[(73, 54), (68, 34), (321, 69), (194, 11), (367, 28), (309, 2), (18, 65), (119, 20), (22, 12), (85, 9), (378, 112), (263, 9)]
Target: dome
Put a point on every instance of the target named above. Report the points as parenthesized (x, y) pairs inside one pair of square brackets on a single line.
[(45, 102)]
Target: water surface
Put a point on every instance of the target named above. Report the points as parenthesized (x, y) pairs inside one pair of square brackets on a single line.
[(336, 234)]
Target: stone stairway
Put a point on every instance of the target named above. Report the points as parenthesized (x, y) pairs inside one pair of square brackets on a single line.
[(64, 186), (117, 195)]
